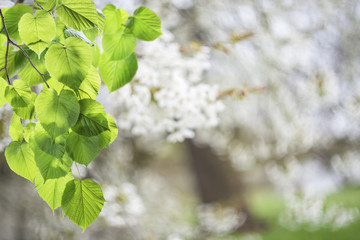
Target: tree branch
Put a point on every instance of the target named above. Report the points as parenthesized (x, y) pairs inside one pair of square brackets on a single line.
[(7, 47), (9, 41), (39, 5)]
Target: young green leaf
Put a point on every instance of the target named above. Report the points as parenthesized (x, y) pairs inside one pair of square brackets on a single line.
[(52, 190), (90, 86), (107, 137), (145, 24), (51, 167), (82, 149), (47, 4), (69, 63), (16, 129), (82, 201), (18, 95), (79, 14), (119, 45), (20, 159), (92, 120), (52, 146), (3, 85), (79, 34), (29, 130), (117, 73), (28, 111), (95, 55), (114, 19), (12, 18), (57, 112), (55, 84), (37, 31), (101, 21), (16, 62), (29, 74), (113, 128)]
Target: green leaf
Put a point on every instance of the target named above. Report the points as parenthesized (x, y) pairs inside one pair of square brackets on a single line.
[(52, 146), (20, 159), (69, 63), (118, 42), (119, 45), (82, 149), (82, 201), (52, 190), (90, 86), (28, 111), (3, 38), (57, 112), (101, 21), (3, 85), (95, 55), (79, 34), (114, 19), (91, 34), (46, 4), (37, 31), (51, 167), (55, 84), (117, 73), (29, 74), (107, 137), (113, 128), (12, 18), (92, 120), (29, 130), (16, 129), (79, 14), (145, 24), (18, 95), (60, 29), (16, 62)]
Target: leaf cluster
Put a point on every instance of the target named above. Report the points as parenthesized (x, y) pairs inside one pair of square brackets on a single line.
[(52, 43)]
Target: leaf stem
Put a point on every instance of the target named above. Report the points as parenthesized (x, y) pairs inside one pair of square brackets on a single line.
[(9, 41)]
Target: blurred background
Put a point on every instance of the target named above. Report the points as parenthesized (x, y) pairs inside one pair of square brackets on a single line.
[(241, 123)]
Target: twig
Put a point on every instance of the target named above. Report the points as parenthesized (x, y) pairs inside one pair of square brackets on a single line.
[(6, 61), (239, 93), (39, 5), (22, 50), (32, 64), (7, 47)]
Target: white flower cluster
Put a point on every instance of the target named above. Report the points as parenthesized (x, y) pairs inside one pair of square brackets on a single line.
[(219, 219), (167, 95), (312, 213), (347, 166), (305, 187), (123, 205)]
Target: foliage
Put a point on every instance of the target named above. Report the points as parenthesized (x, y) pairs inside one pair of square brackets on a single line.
[(64, 123)]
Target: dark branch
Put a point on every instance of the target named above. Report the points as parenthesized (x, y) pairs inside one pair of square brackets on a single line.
[(22, 50), (7, 47), (39, 5)]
